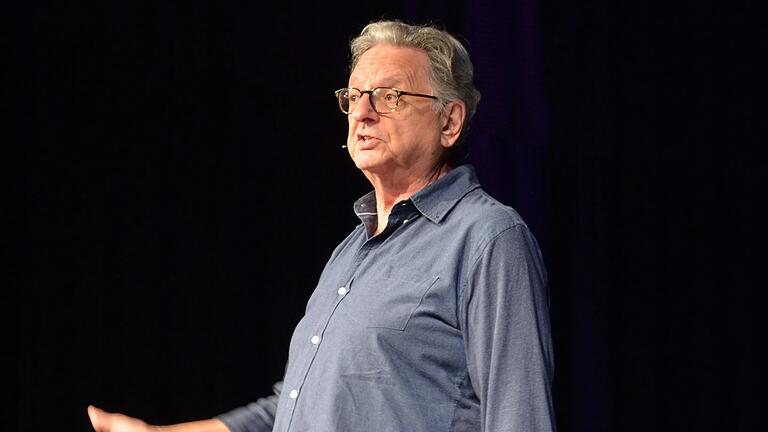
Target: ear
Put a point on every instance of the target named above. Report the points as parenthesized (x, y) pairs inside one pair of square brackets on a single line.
[(452, 119)]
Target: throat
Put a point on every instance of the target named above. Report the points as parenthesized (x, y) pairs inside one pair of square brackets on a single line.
[(381, 224)]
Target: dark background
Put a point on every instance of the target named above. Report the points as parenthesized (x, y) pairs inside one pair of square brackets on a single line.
[(177, 183)]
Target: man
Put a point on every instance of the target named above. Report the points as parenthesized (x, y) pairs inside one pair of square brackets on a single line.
[(432, 315)]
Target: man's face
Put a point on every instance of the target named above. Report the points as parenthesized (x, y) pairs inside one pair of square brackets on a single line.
[(406, 141)]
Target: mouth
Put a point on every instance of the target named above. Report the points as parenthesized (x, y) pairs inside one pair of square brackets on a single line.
[(365, 141)]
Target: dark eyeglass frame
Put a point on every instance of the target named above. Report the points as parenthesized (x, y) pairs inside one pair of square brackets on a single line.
[(398, 92)]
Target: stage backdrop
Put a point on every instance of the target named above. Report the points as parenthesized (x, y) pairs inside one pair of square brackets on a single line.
[(178, 182)]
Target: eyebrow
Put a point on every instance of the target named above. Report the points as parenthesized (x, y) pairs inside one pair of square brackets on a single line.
[(391, 80), (396, 78)]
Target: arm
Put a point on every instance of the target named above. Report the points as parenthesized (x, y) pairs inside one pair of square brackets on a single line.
[(506, 322), (103, 421), (258, 416)]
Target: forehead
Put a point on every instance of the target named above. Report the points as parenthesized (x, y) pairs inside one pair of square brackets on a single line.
[(389, 65)]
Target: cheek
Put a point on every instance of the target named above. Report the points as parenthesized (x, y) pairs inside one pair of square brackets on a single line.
[(350, 135), (405, 134)]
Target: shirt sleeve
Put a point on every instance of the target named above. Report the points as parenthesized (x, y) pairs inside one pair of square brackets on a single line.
[(258, 416), (507, 332)]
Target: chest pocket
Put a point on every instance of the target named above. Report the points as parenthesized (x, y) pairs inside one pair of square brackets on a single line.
[(385, 302)]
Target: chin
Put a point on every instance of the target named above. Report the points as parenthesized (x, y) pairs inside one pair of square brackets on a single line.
[(367, 163)]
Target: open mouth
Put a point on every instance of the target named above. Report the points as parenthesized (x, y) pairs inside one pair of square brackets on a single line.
[(366, 139)]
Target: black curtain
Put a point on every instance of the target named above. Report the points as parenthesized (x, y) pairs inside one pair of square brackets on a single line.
[(177, 183)]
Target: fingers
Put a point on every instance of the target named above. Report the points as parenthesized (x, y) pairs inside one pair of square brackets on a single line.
[(97, 418), (104, 421)]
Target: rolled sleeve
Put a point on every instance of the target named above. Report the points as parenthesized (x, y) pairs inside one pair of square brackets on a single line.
[(258, 416)]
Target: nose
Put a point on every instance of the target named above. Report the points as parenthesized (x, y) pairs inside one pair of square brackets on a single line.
[(364, 109)]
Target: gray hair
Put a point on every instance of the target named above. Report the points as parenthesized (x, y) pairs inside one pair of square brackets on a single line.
[(450, 69)]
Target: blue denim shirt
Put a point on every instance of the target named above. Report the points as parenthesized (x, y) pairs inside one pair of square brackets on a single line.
[(439, 323)]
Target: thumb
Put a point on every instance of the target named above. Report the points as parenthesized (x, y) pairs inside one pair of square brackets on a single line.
[(98, 417)]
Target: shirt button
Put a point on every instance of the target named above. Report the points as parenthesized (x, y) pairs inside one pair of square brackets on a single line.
[(315, 340), (293, 394), (405, 221), (342, 291)]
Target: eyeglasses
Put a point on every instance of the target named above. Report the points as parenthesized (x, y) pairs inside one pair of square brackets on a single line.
[(382, 99)]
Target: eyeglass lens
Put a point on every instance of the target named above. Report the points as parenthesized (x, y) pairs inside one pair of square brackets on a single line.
[(382, 99)]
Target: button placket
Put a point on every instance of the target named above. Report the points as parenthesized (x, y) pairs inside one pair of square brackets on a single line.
[(315, 340), (342, 291)]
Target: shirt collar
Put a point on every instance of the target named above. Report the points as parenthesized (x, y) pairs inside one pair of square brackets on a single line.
[(435, 200)]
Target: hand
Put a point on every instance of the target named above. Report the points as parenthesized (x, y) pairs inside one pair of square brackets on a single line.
[(103, 421)]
